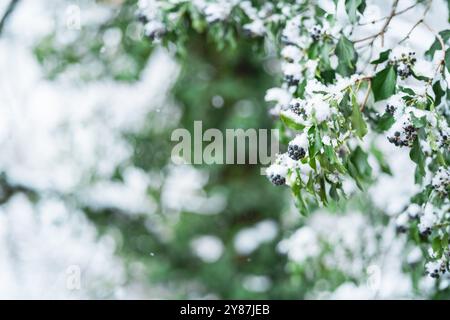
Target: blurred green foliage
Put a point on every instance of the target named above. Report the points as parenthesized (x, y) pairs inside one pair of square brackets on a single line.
[(236, 75)]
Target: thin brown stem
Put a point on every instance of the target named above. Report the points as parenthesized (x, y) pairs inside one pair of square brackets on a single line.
[(383, 28), (410, 31), (417, 23), (386, 24), (366, 97), (437, 35), (441, 42), (397, 13), (9, 10)]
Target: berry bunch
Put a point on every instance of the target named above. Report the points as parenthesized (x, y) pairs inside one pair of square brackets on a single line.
[(277, 179), (425, 232), (296, 152), (401, 223), (436, 268), (291, 80), (277, 174), (292, 74), (406, 137), (404, 64), (298, 107), (441, 181), (316, 32), (390, 109), (297, 148), (155, 30), (443, 138)]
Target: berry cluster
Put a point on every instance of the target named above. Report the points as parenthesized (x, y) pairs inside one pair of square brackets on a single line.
[(291, 80), (390, 109), (298, 107), (404, 138), (277, 174), (277, 179), (401, 223), (425, 232), (155, 30), (443, 139), (316, 32), (292, 73), (441, 181), (404, 64), (296, 152), (436, 268), (297, 148), (403, 220)]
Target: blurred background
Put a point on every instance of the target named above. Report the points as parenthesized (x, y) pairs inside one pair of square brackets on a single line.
[(91, 206)]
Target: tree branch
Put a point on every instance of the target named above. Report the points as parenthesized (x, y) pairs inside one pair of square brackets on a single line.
[(366, 97), (383, 29), (9, 10), (397, 13)]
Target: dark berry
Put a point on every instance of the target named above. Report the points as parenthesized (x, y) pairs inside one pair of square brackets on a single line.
[(390, 109), (296, 152), (426, 232), (277, 179), (291, 80), (316, 33)]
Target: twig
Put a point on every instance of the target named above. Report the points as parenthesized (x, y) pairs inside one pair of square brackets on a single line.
[(417, 23), (369, 86), (410, 31), (386, 24), (383, 29), (397, 13), (9, 10), (438, 36), (441, 42)]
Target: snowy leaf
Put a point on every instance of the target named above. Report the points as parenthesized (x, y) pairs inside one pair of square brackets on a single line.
[(347, 57), (383, 84)]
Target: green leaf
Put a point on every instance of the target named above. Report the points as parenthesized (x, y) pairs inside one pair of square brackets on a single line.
[(358, 167), (352, 6), (354, 174), (358, 123), (436, 245), (300, 201), (384, 56), (447, 59), (290, 123), (317, 141), (344, 105), (383, 84), (347, 57), (333, 193), (360, 160), (444, 241), (448, 9), (384, 122), (408, 91), (418, 157), (301, 88), (419, 122), (445, 34), (313, 51), (421, 78), (327, 74), (362, 6), (323, 192), (384, 166), (325, 55)]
